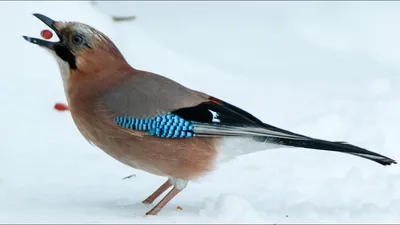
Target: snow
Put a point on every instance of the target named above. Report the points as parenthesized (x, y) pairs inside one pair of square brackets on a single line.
[(325, 69)]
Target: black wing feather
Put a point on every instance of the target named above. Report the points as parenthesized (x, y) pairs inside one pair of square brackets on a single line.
[(228, 114)]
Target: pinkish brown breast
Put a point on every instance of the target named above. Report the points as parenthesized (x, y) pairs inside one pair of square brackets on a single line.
[(179, 158)]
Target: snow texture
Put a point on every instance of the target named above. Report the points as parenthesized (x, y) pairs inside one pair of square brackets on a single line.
[(325, 69)]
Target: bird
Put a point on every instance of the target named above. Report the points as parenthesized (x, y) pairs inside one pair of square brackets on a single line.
[(152, 123)]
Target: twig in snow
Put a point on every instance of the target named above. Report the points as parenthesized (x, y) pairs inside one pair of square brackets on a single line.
[(123, 18), (128, 177)]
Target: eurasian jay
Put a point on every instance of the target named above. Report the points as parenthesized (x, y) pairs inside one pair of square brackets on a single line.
[(152, 123)]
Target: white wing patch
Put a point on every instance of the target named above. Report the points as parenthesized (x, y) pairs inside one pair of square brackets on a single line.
[(215, 116)]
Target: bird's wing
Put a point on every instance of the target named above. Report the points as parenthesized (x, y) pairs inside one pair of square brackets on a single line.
[(145, 95), (158, 106), (148, 99)]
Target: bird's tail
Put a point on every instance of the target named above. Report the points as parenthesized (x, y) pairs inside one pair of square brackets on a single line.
[(333, 146), (271, 134)]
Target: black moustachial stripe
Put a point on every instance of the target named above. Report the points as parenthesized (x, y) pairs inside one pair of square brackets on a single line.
[(65, 54)]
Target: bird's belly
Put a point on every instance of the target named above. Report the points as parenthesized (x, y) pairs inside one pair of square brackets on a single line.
[(102, 136), (179, 158), (131, 157)]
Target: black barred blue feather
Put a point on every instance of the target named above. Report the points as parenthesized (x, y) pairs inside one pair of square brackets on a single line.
[(168, 126)]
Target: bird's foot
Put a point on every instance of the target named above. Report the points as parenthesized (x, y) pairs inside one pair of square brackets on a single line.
[(163, 202), (147, 201), (154, 211)]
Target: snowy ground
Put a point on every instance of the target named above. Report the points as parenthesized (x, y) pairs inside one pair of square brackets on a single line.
[(326, 69)]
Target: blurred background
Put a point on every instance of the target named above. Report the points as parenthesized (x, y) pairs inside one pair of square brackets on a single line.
[(325, 69)]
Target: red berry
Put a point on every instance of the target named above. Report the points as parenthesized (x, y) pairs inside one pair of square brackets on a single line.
[(46, 34), (61, 107)]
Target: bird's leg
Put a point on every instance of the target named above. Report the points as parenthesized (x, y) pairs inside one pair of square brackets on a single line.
[(158, 192), (164, 201), (179, 185)]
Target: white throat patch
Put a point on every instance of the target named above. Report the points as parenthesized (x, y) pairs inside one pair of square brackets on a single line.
[(64, 70)]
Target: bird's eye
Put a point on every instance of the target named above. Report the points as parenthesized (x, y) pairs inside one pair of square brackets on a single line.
[(77, 39)]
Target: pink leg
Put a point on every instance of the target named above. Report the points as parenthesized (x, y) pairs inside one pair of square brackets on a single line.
[(157, 193), (164, 201)]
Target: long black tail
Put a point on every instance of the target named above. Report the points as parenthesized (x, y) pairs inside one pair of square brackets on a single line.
[(336, 147)]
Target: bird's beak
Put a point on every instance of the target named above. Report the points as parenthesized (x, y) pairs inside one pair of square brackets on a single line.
[(49, 22)]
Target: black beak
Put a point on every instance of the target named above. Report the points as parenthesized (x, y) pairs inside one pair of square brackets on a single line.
[(49, 22)]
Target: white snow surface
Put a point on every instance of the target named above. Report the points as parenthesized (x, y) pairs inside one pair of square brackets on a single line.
[(325, 69)]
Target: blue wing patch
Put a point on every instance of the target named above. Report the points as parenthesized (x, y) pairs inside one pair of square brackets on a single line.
[(168, 126)]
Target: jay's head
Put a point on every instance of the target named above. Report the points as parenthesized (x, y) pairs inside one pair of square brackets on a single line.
[(81, 49)]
